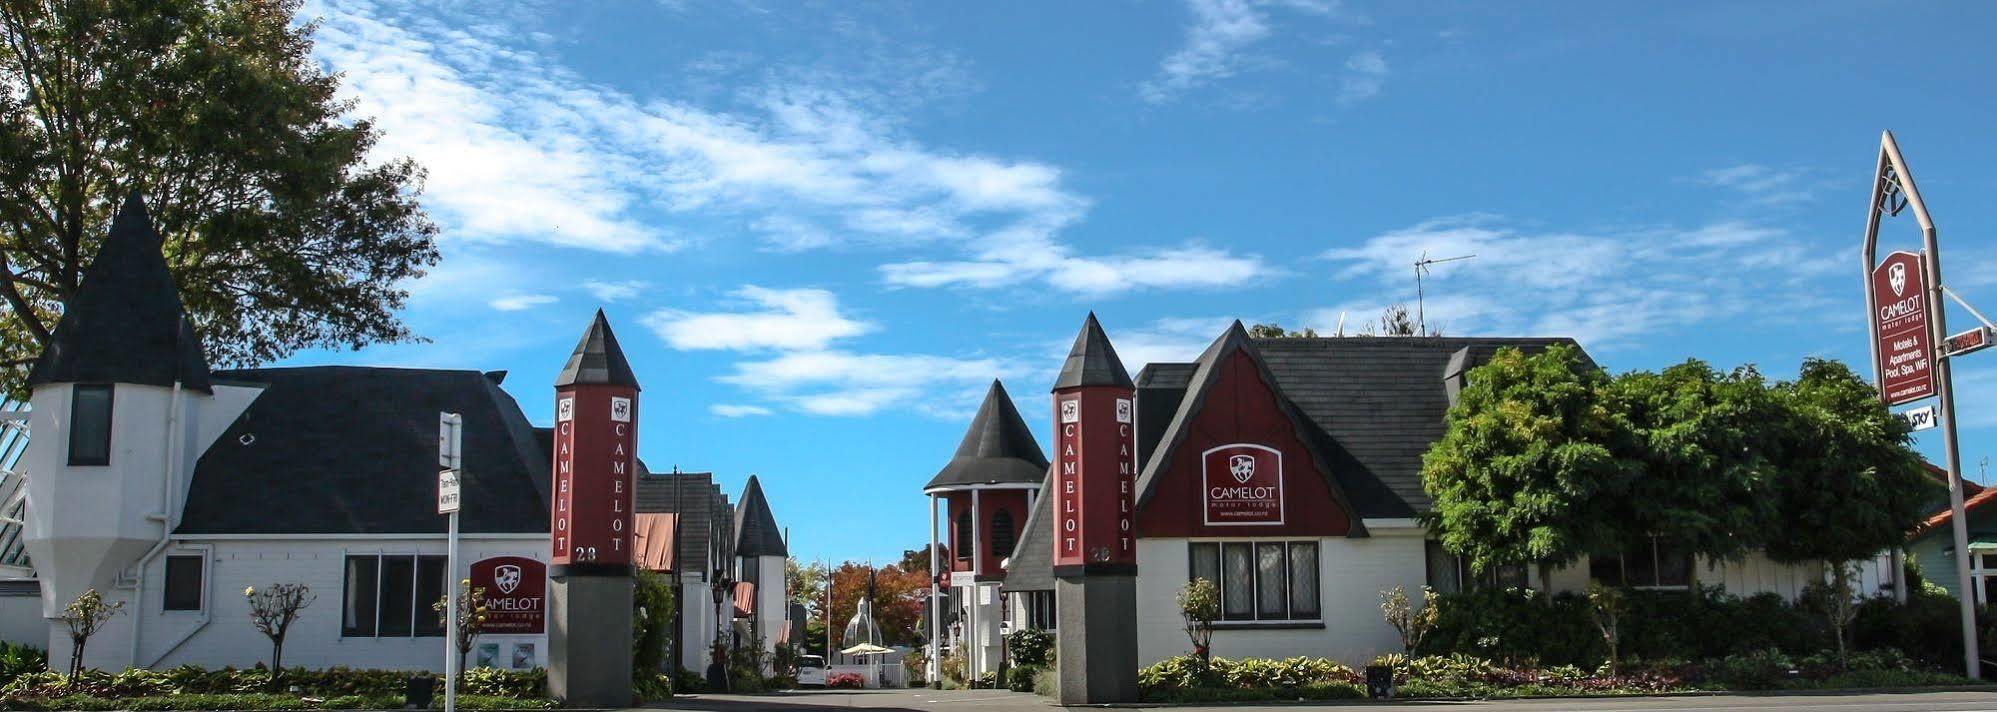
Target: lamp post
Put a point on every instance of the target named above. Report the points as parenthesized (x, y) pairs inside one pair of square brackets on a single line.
[(717, 669)]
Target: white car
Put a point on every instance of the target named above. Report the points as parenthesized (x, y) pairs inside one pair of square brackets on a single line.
[(810, 671)]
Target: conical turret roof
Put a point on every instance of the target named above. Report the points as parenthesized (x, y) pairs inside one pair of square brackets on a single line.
[(756, 530), (125, 323), (597, 359), (998, 449), (1092, 361)]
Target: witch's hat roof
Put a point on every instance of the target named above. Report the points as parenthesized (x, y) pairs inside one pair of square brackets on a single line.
[(756, 530), (597, 359), (125, 323), (1092, 361), (998, 448)]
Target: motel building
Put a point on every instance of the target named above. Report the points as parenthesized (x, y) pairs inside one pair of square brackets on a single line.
[(1286, 470), (170, 488)]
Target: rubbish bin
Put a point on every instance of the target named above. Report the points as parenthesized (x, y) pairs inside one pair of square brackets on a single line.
[(422, 689), (1380, 682)]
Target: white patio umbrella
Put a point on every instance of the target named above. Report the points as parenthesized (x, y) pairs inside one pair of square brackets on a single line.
[(865, 649)]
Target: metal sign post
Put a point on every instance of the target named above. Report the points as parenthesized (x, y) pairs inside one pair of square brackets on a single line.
[(1892, 191), (450, 464)]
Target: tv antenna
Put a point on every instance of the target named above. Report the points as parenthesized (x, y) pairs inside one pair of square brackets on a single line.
[(1421, 298)]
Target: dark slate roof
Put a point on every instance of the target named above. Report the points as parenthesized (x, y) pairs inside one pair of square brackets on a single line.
[(125, 323), (1381, 399), (1031, 566), (353, 450), (597, 359), (1234, 340), (756, 530), (1159, 388), (998, 448), (657, 493), (1092, 361)]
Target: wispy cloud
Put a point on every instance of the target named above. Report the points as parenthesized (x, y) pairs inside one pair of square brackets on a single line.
[(1025, 255), (789, 319), (1604, 287), (521, 302), (1762, 184), (1218, 44), (844, 383), (1170, 340), (604, 291), (1365, 74), (731, 410)]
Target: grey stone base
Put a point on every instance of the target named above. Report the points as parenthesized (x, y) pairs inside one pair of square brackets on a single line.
[(589, 641), (1096, 643)]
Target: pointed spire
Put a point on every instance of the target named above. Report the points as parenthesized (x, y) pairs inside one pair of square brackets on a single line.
[(1236, 337), (1092, 362), (597, 359), (998, 447), (756, 530), (125, 323)]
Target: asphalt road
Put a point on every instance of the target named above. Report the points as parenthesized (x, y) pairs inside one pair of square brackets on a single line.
[(1001, 701)]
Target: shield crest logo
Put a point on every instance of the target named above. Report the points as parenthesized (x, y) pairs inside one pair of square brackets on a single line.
[(1897, 276), (1242, 467), (507, 578)]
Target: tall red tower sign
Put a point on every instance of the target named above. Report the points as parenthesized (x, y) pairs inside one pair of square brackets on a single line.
[(1095, 484), (596, 421), (1900, 312)]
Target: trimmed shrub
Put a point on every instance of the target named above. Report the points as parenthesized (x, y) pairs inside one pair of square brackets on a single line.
[(1019, 678)]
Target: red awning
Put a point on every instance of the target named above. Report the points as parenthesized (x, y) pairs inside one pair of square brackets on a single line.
[(652, 540), (745, 599)]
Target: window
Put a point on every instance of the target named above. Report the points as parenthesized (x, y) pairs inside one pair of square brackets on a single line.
[(1449, 573), (1039, 607), (1647, 564), (1002, 534), (90, 425), (390, 596), (1260, 580), (964, 535), (183, 583)]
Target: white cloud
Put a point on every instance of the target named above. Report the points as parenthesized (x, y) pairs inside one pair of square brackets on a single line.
[(787, 319), (844, 383), (1171, 340), (1605, 288), (1761, 184), (730, 410), (1365, 73), (1023, 256), (521, 302), (1217, 43), (606, 291)]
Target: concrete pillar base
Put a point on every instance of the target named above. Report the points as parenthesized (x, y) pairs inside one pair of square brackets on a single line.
[(589, 641), (1096, 643)]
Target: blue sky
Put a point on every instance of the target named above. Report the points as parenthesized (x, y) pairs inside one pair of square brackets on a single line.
[(820, 229)]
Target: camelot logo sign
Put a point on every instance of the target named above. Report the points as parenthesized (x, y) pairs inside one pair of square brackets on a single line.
[(516, 590), (1243, 484), (1899, 293)]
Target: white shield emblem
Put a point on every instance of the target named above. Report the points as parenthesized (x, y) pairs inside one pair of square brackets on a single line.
[(1897, 276), (1242, 467), (507, 577)]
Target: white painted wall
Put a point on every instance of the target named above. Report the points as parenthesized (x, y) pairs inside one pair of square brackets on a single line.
[(1351, 575), (1756, 573), (221, 633), (769, 605)]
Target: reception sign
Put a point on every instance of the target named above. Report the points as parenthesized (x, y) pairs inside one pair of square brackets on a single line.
[(1243, 484), (1905, 350), (516, 589)]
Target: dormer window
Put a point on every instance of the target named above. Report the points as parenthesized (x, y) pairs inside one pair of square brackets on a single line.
[(90, 425)]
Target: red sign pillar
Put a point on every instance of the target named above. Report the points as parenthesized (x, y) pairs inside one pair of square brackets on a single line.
[(1095, 483), (595, 456)]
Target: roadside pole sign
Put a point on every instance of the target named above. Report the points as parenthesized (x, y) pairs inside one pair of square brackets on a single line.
[(450, 471), (449, 460), (1921, 418), (1970, 341), (1900, 299)]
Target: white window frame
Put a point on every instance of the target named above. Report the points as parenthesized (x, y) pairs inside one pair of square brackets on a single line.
[(417, 605), (1254, 585)]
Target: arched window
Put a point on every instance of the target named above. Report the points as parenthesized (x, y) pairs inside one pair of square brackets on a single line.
[(964, 534), (1002, 534)]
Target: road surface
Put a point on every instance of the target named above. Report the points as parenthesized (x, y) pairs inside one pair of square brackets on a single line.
[(1003, 701)]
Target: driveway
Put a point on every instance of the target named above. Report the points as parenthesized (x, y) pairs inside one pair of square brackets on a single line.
[(1000, 700)]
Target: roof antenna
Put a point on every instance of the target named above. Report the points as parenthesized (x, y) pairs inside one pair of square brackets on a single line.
[(1341, 323), (1421, 298)]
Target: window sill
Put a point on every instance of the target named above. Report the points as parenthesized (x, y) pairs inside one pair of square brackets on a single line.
[(1268, 625)]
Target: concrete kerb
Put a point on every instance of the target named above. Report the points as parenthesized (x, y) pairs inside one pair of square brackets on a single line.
[(1827, 692)]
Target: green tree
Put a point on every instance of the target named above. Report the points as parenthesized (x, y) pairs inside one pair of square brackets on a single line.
[(1700, 442), (1526, 472), (653, 601), (1276, 331), (1847, 484), (1199, 606), (279, 228)]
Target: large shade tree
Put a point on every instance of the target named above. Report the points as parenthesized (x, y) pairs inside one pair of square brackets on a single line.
[(1526, 471), (279, 228), (1700, 441)]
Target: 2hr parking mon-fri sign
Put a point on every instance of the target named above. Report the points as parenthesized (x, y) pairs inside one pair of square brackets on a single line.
[(1905, 349)]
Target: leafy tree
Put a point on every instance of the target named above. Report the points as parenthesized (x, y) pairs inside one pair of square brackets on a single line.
[(272, 610), (897, 601), (1700, 442), (280, 230), (84, 617), (1276, 331), (1525, 472), (1605, 607), (1847, 483), (1199, 606), (471, 621)]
